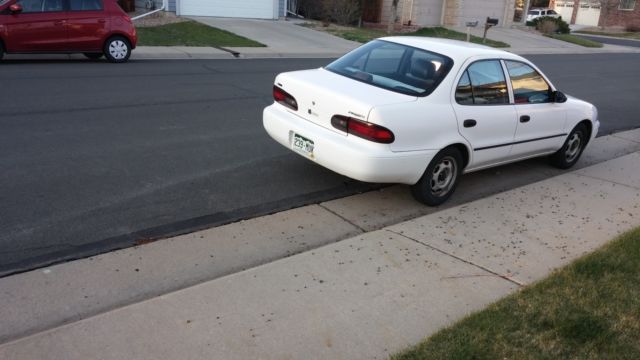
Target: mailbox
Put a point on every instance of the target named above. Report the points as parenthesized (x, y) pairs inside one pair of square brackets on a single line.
[(472, 23), (492, 21)]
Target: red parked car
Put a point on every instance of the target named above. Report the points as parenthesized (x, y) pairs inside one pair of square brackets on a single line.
[(92, 27)]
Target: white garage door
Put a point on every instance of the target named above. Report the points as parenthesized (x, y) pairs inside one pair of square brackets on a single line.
[(588, 13), (253, 9), (480, 10)]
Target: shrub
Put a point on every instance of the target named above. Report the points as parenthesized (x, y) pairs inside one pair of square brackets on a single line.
[(561, 26), (343, 12), (633, 28), (547, 26)]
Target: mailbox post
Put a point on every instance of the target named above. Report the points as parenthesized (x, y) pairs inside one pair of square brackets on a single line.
[(490, 23), (470, 24)]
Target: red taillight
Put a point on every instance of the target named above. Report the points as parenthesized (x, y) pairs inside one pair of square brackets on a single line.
[(284, 98), (372, 132)]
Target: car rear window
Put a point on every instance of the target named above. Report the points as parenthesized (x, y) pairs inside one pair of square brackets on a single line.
[(394, 67)]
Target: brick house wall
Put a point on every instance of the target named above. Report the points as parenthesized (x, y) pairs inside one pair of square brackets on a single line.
[(626, 19)]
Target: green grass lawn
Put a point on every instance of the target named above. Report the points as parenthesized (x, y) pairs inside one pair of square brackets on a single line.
[(623, 35), (587, 310), (364, 35), (576, 40), (190, 33)]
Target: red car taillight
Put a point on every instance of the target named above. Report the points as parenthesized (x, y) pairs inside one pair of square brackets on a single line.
[(284, 98), (371, 132)]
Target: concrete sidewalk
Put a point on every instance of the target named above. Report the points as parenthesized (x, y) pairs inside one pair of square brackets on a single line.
[(365, 297), (287, 39)]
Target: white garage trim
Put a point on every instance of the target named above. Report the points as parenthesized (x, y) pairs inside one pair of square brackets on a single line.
[(253, 9)]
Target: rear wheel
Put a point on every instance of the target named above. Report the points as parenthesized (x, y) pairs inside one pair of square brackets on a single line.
[(1, 50), (94, 56), (117, 49), (570, 152), (440, 179)]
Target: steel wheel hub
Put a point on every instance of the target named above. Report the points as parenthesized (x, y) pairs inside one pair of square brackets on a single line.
[(573, 147), (443, 176), (118, 49)]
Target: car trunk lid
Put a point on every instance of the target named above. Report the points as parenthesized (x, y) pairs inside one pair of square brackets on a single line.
[(321, 94)]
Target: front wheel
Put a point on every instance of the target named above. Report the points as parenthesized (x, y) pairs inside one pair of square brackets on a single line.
[(440, 179), (117, 49), (572, 148)]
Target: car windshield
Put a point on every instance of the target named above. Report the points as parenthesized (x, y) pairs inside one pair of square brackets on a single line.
[(394, 67), (534, 12)]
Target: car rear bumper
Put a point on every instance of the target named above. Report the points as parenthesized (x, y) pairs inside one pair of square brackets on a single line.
[(347, 155)]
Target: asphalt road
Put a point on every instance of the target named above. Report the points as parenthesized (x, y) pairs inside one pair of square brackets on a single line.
[(611, 40), (96, 156)]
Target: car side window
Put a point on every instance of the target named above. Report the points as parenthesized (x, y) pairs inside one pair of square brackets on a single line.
[(85, 5), (31, 6), (464, 94), (529, 87), (484, 82)]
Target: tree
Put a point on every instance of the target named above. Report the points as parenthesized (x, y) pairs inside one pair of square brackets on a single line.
[(393, 16)]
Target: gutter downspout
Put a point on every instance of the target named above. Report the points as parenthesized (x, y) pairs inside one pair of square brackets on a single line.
[(444, 9), (165, 6), (151, 12)]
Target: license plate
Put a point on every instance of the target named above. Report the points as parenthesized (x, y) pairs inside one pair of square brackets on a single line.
[(302, 145)]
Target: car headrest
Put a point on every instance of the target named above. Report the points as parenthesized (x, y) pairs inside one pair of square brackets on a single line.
[(422, 69)]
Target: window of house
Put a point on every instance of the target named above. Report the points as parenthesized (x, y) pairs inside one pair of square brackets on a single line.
[(529, 87), (627, 4), (484, 83)]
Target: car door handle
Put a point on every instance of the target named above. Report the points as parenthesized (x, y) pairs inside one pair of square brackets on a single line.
[(525, 118), (102, 21), (469, 123)]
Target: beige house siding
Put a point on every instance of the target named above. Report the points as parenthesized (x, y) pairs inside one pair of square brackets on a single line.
[(456, 12)]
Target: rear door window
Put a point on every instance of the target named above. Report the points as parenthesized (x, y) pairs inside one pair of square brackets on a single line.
[(483, 83), (38, 6)]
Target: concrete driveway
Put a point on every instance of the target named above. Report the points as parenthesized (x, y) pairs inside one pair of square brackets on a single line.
[(525, 41), (282, 38)]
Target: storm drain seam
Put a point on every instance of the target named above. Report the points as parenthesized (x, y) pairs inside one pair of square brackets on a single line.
[(459, 258), (620, 137), (343, 218), (609, 181)]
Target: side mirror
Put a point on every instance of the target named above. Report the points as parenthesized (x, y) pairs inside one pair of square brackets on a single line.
[(559, 97), (15, 8)]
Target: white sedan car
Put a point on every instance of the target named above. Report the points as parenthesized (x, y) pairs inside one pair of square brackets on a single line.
[(422, 111)]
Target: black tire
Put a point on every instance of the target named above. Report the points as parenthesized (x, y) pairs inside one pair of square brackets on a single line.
[(117, 49), (1, 50), (93, 56), (570, 152), (440, 178)]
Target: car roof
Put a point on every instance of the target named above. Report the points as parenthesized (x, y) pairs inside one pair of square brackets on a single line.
[(456, 50)]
